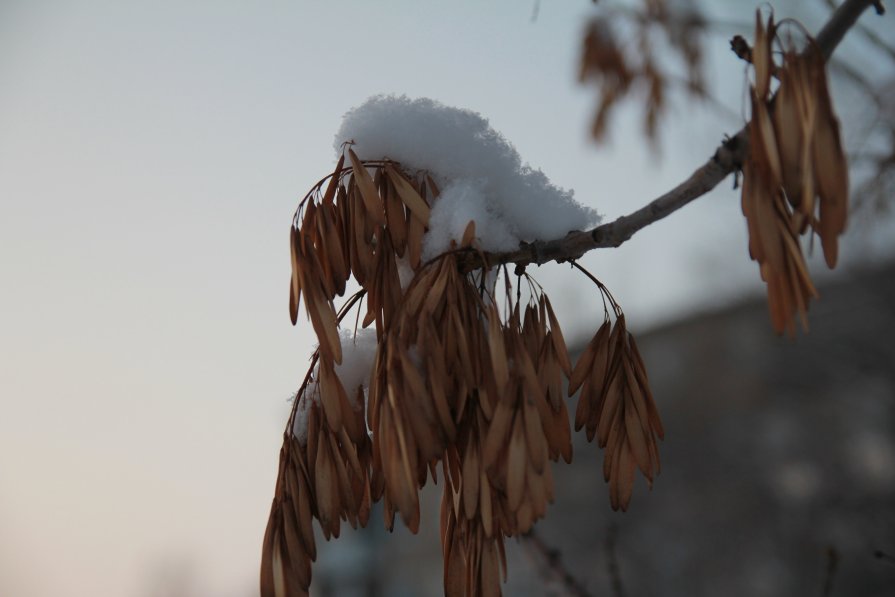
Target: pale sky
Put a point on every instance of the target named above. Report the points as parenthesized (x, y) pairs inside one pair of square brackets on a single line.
[(151, 156)]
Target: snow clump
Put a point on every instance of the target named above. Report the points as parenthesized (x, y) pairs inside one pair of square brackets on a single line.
[(480, 174)]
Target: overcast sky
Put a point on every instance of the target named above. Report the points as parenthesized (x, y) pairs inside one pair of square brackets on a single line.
[(151, 156)]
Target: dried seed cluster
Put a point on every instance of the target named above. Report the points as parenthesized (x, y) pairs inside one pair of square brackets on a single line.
[(620, 68), (795, 179), (461, 381), (616, 404)]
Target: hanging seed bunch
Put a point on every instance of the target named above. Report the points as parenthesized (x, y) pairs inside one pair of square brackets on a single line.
[(795, 179), (616, 405), (464, 379), (324, 473), (351, 224)]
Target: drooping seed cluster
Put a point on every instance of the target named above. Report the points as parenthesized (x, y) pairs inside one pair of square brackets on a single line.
[(616, 404), (795, 179), (463, 380)]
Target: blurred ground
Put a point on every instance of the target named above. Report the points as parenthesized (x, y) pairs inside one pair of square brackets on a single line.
[(778, 452)]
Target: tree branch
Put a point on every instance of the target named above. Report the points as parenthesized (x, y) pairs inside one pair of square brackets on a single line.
[(830, 571), (842, 19), (727, 158), (872, 37), (549, 561)]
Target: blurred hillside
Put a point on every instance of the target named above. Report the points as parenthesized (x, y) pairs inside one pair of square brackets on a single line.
[(779, 458)]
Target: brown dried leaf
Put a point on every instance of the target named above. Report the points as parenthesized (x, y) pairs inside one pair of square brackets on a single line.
[(830, 169), (534, 437), (471, 474), (362, 258), (331, 234), (295, 284), (485, 503), (468, 234), (610, 407), (563, 433), (789, 128), (638, 439), (640, 372), (302, 500), (334, 181), (368, 192), (298, 561), (331, 393), (517, 463), (415, 232), (397, 219), (497, 433), (347, 499), (326, 489), (455, 568), (559, 342), (624, 475), (490, 570), (761, 54), (497, 350), (763, 143), (409, 196), (586, 360)]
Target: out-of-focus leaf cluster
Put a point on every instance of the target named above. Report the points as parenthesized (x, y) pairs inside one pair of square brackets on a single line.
[(621, 54)]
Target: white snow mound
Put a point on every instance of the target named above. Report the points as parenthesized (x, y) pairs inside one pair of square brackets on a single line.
[(480, 173)]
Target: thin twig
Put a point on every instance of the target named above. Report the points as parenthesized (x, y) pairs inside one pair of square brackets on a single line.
[(550, 562), (842, 19), (727, 159), (678, 18), (871, 36), (881, 555), (615, 577), (705, 96), (832, 564)]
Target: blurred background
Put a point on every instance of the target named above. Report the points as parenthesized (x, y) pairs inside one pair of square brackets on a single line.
[(151, 157)]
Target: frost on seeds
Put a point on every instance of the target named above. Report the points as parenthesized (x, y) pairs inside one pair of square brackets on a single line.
[(300, 424), (358, 352), (481, 175)]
